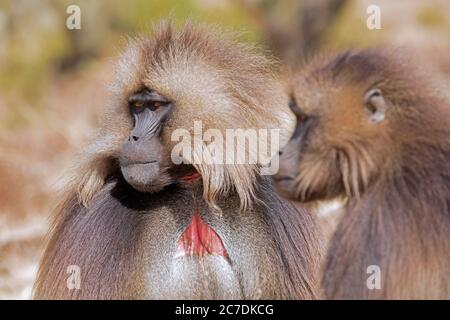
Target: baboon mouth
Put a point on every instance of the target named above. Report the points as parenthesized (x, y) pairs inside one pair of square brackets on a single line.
[(146, 162), (139, 163), (284, 178), (142, 176)]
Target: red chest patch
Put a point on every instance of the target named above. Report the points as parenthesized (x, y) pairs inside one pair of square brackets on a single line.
[(199, 239)]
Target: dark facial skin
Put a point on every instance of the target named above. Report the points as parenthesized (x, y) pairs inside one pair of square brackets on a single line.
[(290, 154), (140, 157)]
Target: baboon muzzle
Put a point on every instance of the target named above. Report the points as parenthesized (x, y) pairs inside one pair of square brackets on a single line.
[(140, 161), (140, 155)]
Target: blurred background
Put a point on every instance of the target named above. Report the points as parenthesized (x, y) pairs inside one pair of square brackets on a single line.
[(53, 81)]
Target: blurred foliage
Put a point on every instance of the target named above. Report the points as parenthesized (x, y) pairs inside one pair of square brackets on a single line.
[(137, 15), (36, 47), (432, 17), (349, 30)]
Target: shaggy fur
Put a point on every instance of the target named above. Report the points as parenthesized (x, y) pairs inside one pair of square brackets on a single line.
[(124, 241), (396, 173), (170, 62)]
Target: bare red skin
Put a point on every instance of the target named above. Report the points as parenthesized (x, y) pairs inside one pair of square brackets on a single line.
[(199, 239)]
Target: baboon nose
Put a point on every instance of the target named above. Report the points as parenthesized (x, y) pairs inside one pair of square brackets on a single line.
[(133, 138)]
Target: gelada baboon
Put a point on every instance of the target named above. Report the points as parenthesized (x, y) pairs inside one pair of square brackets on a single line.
[(136, 225), (372, 127)]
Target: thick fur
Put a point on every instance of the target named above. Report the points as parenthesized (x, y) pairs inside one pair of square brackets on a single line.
[(125, 245), (395, 174), (124, 241), (206, 73)]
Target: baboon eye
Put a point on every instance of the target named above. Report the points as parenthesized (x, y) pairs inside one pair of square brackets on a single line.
[(302, 117), (147, 99), (293, 105), (157, 104), (138, 104)]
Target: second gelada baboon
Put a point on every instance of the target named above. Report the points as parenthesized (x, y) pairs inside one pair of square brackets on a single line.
[(374, 128)]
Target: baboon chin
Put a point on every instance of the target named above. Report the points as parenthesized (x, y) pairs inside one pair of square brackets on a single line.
[(139, 226), (374, 129)]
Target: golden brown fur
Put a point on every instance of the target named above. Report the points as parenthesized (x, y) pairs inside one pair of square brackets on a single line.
[(170, 62), (124, 240), (395, 172)]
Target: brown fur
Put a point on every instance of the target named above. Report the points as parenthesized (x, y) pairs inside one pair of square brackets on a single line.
[(170, 62), (124, 241), (395, 173)]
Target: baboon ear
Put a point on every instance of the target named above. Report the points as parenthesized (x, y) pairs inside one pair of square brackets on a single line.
[(376, 105)]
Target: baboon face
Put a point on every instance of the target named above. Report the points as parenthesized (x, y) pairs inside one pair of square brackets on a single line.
[(141, 156), (340, 136), (176, 80)]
